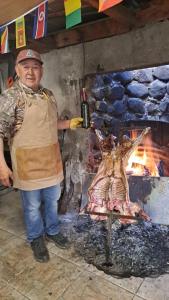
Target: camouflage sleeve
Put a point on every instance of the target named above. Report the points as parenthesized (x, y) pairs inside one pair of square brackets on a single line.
[(7, 114)]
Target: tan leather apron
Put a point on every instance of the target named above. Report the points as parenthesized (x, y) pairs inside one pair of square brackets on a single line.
[(35, 151)]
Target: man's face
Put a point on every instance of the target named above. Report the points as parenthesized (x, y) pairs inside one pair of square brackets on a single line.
[(30, 72)]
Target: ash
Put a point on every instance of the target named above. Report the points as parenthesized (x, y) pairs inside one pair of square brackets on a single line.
[(140, 249)]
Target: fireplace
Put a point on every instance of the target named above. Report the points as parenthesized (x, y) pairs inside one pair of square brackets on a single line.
[(151, 158), (125, 103)]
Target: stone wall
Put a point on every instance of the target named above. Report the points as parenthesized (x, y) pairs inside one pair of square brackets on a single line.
[(135, 99), (131, 96)]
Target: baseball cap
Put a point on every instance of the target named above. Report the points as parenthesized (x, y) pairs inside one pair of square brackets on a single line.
[(28, 54)]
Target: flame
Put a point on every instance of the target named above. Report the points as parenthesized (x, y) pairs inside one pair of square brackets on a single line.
[(143, 161)]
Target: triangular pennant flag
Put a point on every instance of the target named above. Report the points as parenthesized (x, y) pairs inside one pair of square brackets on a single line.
[(105, 4), (4, 40), (72, 12), (20, 32), (40, 21)]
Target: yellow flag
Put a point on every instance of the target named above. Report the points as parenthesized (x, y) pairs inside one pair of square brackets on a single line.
[(71, 6), (20, 32)]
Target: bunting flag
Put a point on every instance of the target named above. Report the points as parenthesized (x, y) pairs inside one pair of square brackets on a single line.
[(4, 40), (105, 4), (72, 12), (40, 21), (20, 32)]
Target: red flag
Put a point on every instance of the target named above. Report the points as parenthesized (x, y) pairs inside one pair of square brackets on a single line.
[(40, 21), (105, 4)]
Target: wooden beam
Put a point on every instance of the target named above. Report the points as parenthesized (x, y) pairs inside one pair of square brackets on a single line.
[(157, 11), (54, 14), (119, 13), (42, 45), (88, 32), (81, 34)]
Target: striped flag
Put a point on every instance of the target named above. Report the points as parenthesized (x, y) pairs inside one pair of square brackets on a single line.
[(20, 32), (40, 21), (105, 4), (72, 12), (4, 40)]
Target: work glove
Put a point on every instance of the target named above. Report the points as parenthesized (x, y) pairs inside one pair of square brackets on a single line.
[(76, 122)]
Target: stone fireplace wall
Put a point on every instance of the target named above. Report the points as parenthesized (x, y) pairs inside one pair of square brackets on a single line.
[(134, 99), (131, 96)]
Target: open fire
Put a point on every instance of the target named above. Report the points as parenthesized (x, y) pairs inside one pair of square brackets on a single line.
[(144, 161)]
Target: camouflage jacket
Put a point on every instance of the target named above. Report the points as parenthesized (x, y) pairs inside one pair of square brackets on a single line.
[(12, 106)]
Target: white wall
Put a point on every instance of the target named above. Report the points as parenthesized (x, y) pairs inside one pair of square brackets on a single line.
[(62, 70)]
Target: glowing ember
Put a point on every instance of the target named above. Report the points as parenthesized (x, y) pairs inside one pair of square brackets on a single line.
[(143, 160)]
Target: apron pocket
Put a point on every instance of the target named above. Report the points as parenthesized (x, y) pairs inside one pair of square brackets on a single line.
[(37, 163)]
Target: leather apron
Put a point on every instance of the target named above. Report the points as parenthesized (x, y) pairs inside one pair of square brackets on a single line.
[(35, 152)]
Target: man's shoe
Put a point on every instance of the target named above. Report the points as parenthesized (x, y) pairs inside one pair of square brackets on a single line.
[(39, 250), (59, 240)]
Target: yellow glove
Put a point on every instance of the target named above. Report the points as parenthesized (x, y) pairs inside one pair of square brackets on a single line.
[(76, 122)]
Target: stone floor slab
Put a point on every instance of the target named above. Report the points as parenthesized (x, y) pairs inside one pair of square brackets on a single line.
[(4, 236), (20, 270), (69, 255), (9, 293), (50, 281), (138, 298), (155, 288), (131, 284), (11, 216), (89, 286)]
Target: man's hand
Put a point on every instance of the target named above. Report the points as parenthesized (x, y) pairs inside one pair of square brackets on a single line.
[(76, 122), (6, 176)]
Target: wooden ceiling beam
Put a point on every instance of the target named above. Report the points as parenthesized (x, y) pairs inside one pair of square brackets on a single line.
[(88, 32), (84, 33), (60, 12), (158, 10), (52, 13), (119, 13), (42, 45)]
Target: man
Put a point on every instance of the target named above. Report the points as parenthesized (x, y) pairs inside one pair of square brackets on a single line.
[(28, 119)]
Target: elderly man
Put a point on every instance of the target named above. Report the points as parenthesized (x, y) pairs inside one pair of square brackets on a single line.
[(29, 119)]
